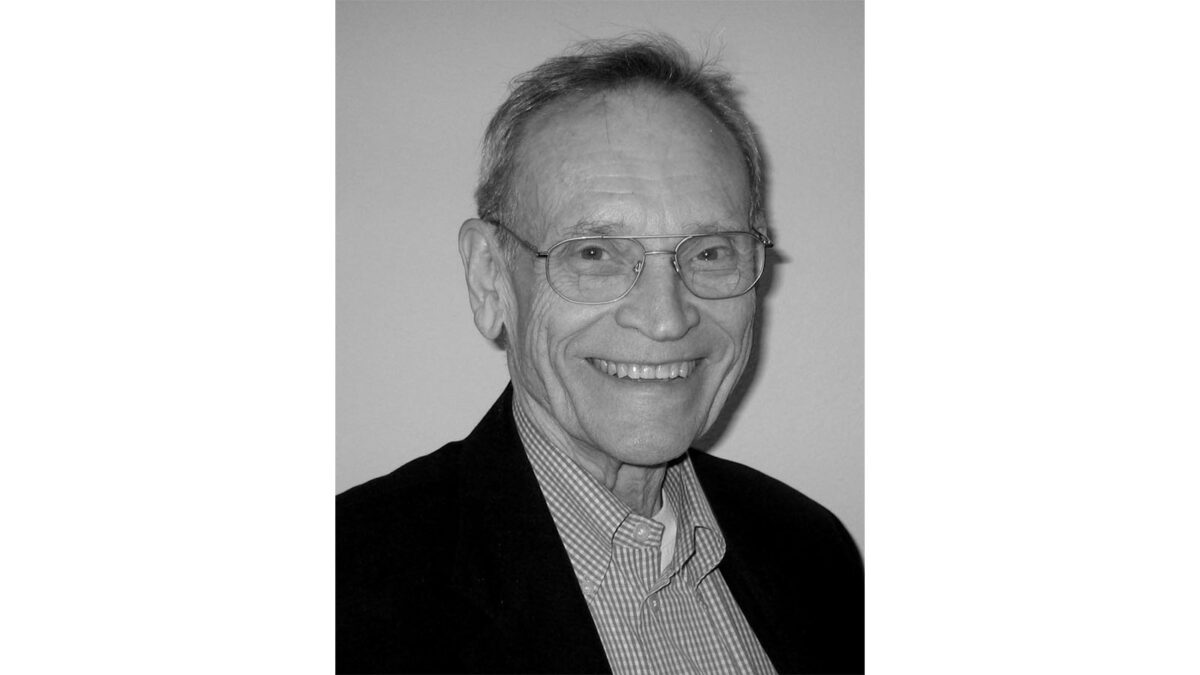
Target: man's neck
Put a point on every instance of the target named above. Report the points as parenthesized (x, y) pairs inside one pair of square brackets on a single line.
[(638, 487)]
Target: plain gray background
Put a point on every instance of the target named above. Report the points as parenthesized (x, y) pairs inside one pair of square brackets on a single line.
[(416, 85)]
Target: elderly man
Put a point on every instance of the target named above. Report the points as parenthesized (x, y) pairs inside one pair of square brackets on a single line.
[(621, 234)]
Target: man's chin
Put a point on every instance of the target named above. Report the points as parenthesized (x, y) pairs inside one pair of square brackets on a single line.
[(645, 431), (646, 448)]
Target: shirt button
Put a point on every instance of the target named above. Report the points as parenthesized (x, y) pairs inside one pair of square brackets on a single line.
[(654, 605), (642, 532)]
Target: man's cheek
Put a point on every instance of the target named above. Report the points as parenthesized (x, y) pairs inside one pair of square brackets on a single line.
[(543, 355)]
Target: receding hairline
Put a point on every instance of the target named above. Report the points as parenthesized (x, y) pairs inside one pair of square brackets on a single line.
[(598, 67), (629, 90), (598, 103), (549, 117)]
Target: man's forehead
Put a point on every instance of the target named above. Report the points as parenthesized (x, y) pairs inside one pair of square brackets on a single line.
[(587, 166)]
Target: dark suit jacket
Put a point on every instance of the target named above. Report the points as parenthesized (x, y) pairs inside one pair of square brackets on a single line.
[(452, 563)]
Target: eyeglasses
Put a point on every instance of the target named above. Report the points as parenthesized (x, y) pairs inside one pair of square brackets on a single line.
[(602, 269)]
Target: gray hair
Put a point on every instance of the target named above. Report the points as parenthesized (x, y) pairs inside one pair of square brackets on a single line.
[(605, 65)]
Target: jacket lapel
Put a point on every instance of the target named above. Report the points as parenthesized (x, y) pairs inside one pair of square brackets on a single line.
[(759, 606), (750, 577), (799, 585), (511, 565)]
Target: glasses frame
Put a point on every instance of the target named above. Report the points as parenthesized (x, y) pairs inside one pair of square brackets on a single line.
[(637, 269)]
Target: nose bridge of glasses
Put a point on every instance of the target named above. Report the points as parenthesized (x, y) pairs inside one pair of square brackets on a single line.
[(640, 266), (676, 277)]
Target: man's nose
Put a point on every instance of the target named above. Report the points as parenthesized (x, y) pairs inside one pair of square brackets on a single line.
[(659, 306)]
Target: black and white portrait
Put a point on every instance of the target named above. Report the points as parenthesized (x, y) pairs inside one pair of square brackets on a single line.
[(613, 233)]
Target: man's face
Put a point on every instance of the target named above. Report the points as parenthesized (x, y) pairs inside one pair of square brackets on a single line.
[(627, 163)]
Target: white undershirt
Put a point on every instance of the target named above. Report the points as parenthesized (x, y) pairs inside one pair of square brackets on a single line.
[(666, 516)]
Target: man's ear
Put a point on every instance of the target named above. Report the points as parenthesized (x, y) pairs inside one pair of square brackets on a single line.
[(483, 262)]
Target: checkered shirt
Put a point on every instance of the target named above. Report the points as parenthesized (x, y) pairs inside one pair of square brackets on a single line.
[(682, 620)]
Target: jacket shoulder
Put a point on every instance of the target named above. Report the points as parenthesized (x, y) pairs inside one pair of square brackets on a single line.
[(751, 495), (395, 535), (423, 479), (378, 522)]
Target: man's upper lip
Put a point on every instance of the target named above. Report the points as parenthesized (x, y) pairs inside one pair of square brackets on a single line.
[(641, 360)]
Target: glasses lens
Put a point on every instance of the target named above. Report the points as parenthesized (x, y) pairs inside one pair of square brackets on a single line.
[(593, 269), (721, 265)]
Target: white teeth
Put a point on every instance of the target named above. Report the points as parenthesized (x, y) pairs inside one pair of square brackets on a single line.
[(645, 371)]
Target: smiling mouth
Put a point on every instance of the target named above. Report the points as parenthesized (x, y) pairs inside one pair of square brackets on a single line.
[(645, 371)]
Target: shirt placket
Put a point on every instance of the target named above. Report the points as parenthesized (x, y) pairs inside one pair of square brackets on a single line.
[(639, 542)]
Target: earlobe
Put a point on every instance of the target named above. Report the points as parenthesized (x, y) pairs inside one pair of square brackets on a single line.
[(484, 266)]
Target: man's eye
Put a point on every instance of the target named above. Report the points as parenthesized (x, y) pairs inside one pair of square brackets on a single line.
[(592, 253), (711, 255)]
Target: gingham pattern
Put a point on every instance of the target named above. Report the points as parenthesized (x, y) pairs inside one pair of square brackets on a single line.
[(683, 620)]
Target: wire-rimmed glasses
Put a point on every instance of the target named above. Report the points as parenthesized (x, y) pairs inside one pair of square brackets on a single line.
[(600, 269)]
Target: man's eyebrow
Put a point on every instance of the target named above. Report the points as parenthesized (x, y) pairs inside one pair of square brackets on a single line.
[(595, 228), (710, 227)]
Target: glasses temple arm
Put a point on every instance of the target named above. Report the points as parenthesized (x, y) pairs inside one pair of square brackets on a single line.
[(533, 249)]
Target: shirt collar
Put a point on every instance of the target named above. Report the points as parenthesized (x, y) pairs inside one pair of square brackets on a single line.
[(590, 518)]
